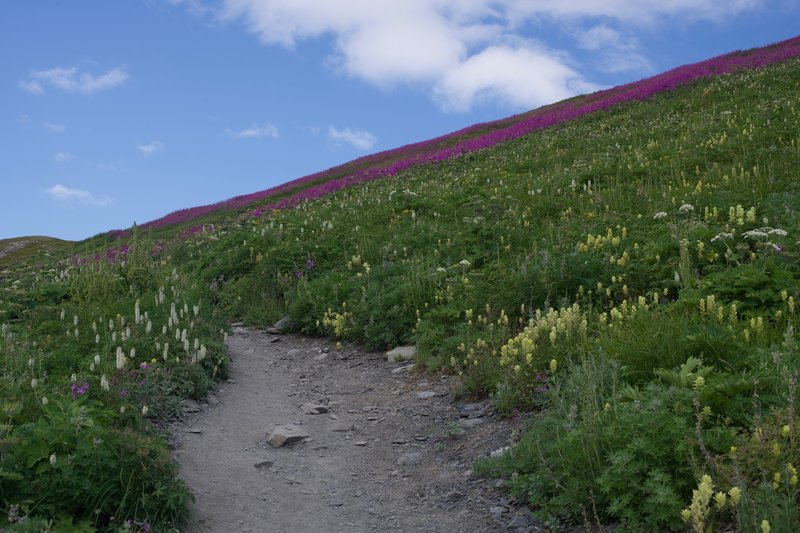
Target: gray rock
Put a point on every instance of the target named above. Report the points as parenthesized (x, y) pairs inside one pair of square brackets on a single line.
[(403, 369), (401, 353), (343, 427), (294, 352), (360, 443), (410, 458), (283, 324), (321, 357), (469, 423), (212, 400), (263, 464), (424, 395), (191, 406), (520, 520), (287, 434), (314, 409)]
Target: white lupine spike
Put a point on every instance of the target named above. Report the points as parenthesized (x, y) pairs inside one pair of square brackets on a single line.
[(166, 351), (75, 320), (196, 343), (164, 330), (97, 359), (104, 383)]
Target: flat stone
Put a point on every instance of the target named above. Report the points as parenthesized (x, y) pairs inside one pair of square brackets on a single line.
[(314, 409), (194, 430), (360, 443), (264, 464), (403, 369), (469, 423), (520, 520), (343, 427), (190, 406), (401, 353), (321, 357), (410, 458), (425, 395), (287, 434), (294, 352)]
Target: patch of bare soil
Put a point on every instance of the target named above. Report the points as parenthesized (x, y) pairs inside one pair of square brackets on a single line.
[(387, 448)]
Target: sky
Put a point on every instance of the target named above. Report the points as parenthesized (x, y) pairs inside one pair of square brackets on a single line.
[(119, 112)]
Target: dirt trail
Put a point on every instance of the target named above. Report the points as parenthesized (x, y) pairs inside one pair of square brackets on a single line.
[(393, 453)]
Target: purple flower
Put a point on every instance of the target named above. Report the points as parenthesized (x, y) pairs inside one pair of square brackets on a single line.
[(309, 264), (78, 390)]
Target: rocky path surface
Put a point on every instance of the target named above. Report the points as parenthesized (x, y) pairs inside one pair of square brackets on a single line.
[(387, 449)]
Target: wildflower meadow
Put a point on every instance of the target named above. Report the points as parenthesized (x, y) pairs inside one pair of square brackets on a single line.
[(620, 271)]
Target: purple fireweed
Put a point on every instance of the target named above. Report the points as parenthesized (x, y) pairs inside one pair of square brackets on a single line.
[(481, 136)]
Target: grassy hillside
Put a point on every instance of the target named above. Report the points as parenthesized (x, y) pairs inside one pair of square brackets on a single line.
[(21, 249), (629, 278)]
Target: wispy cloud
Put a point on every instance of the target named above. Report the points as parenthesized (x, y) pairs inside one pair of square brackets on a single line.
[(65, 195), (362, 140), (62, 157), (255, 132), (53, 127), (148, 149), (71, 80), (33, 87)]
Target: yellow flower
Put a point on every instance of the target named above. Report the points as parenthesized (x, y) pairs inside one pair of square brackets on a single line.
[(785, 430), (720, 498), (553, 365), (735, 494), (765, 528)]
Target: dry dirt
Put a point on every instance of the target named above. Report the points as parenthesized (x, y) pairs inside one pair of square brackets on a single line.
[(383, 458)]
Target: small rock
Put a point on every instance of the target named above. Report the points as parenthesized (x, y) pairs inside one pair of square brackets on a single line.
[(191, 406), (344, 427), (410, 458), (403, 369), (360, 443), (237, 324), (500, 451), (314, 409), (294, 352), (275, 339), (194, 430), (520, 520), (288, 434), (399, 440), (321, 357), (469, 423), (401, 353), (325, 350), (424, 395), (283, 324), (212, 400), (263, 464)]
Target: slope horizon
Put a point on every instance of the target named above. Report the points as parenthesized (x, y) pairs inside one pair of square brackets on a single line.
[(476, 136)]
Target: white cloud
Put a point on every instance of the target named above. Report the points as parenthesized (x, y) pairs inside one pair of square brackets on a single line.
[(468, 51), (62, 157), (71, 80), (52, 127), (362, 140), (255, 132), (614, 51), (63, 194), (522, 77), (33, 87), (148, 149)]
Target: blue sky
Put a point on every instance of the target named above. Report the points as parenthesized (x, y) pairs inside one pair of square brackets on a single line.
[(115, 112)]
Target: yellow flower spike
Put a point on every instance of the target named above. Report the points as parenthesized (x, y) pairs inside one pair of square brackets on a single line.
[(606, 407), (776, 449), (517, 369), (785, 430), (735, 494), (686, 515), (553, 365), (776, 480), (765, 527), (733, 450), (720, 499), (699, 382)]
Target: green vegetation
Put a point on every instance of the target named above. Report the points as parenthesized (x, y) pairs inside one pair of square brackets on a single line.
[(629, 279)]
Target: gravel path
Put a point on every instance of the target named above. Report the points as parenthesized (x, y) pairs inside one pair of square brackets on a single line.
[(390, 452)]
